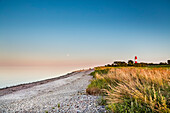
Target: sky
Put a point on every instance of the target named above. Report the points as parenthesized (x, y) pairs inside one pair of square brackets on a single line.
[(83, 32)]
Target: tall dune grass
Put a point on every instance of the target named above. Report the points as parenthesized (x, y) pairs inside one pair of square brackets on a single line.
[(135, 89)]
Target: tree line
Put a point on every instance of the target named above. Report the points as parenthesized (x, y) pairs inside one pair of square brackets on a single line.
[(131, 63)]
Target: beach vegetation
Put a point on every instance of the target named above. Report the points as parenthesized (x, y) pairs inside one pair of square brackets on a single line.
[(102, 101), (58, 105), (133, 89), (130, 63), (168, 62)]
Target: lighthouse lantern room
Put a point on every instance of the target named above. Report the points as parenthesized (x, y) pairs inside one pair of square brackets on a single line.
[(136, 59)]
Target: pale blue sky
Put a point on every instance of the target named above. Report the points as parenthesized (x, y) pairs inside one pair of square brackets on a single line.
[(92, 32)]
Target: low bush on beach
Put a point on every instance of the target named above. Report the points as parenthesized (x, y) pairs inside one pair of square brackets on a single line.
[(58, 105), (93, 91), (132, 89)]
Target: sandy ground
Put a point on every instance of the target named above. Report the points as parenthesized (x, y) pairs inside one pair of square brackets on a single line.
[(43, 97)]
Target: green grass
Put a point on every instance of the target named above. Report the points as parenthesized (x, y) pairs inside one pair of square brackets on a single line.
[(132, 89), (58, 105), (159, 66), (102, 101), (100, 71)]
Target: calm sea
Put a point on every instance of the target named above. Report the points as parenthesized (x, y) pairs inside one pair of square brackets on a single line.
[(10, 76)]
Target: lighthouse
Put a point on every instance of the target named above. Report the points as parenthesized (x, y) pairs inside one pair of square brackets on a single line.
[(136, 59)]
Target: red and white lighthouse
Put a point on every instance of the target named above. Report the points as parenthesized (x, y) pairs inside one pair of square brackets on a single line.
[(136, 59)]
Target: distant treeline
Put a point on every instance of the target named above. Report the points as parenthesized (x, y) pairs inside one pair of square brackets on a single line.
[(131, 63)]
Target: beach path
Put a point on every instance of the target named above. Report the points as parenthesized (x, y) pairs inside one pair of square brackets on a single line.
[(43, 97)]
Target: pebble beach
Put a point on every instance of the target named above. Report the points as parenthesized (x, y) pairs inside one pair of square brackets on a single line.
[(66, 94)]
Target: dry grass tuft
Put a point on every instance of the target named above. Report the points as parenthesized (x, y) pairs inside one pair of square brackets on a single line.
[(150, 87), (93, 91)]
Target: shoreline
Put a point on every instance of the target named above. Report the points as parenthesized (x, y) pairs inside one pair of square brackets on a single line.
[(11, 89), (62, 95)]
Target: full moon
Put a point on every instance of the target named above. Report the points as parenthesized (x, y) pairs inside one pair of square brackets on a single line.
[(68, 55)]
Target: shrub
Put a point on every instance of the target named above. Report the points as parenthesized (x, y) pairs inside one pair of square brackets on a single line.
[(168, 62), (93, 91), (130, 63), (120, 63)]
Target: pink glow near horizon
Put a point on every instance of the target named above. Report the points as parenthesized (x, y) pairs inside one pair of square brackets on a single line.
[(50, 63)]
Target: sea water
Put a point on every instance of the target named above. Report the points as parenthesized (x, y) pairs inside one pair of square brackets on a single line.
[(10, 76)]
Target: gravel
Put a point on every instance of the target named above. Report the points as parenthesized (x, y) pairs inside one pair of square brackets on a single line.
[(63, 95)]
